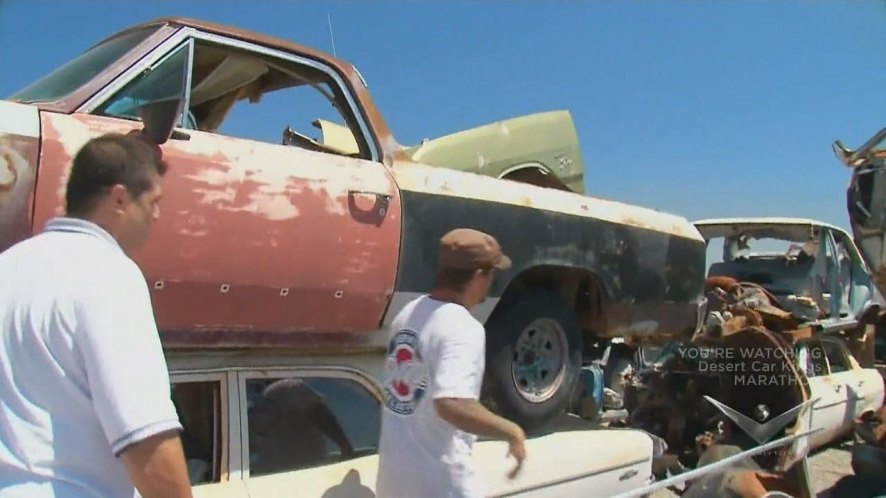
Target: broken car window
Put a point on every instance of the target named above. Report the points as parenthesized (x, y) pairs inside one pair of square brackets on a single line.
[(810, 358), (791, 265), (300, 422), (243, 94), (253, 96), (836, 357)]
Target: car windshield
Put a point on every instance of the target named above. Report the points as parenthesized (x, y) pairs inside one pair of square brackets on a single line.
[(77, 72)]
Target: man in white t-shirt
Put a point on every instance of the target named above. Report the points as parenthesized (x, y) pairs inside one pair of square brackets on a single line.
[(433, 373), (85, 405)]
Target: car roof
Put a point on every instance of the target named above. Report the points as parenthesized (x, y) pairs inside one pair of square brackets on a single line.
[(234, 32), (721, 227)]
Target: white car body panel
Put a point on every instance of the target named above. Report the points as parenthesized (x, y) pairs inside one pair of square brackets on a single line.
[(564, 463), (828, 412), (842, 396), (572, 457)]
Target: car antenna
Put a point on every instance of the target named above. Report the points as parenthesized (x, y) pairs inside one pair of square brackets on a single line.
[(331, 36)]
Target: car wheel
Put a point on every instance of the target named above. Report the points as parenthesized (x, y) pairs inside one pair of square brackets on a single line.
[(533, 357)]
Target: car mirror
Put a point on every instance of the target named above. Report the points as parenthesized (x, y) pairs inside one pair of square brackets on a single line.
[(159, 119), (841, 152), (161, 93)]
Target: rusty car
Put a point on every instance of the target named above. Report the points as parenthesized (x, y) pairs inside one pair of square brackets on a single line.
[(291, 237), (277, 239)]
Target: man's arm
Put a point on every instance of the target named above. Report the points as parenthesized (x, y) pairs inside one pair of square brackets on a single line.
[(156, 466), (457, 374), (129, 380), (470, 415)]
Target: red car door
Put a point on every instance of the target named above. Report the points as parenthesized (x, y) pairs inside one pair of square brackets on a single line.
[(253, 236)]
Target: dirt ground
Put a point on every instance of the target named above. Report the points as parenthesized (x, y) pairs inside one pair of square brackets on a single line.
[(831, 464), (828, 465)]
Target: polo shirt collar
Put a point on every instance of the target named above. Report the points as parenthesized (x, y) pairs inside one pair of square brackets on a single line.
[(77, 225)]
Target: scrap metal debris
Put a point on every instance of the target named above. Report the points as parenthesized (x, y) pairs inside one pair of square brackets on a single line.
[(667, 398)]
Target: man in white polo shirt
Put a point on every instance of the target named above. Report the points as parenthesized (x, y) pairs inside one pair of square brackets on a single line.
[(85, 407)]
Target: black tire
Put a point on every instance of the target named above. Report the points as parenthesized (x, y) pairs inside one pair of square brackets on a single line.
[(541, 317)]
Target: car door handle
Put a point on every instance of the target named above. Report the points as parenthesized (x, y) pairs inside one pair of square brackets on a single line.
[(179, 135), (381, 195), (380, 204), (629, 474)]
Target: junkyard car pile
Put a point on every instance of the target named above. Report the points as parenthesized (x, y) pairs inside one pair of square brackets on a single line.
[(793, 314), (780, 321), (245, 300)]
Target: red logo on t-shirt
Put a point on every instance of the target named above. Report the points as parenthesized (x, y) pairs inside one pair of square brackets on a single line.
[(406, 375)]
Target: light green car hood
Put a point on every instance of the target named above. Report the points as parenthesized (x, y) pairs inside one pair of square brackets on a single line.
[(544, 141)]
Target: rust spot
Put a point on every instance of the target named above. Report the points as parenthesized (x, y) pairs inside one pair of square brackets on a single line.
[(18, 171), (880, 277), (526, 201), (239, 338), (8, 170), (634, 222)]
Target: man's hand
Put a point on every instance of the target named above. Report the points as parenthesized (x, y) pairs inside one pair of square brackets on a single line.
[(517, 449), (156, 466), (471, 416)]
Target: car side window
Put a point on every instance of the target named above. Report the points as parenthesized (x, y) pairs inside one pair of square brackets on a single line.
[(243, 94), (198, 405), (164, 82), (238, 92), (836, 357), (297, 422), (811, 359)]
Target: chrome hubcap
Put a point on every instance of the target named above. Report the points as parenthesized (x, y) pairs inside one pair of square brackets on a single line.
[(539, 360)]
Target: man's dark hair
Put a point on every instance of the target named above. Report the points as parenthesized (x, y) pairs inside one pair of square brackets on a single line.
[(454, 279), (109, 160)]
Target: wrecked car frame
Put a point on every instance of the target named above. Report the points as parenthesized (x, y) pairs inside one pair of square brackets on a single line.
[(790, 304), (866, 207), (813, 269)]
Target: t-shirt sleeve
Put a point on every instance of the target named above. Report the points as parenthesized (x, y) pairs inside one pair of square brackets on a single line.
[(126, 370), (458, 368)]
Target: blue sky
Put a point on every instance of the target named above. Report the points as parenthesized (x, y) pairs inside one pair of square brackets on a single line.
[(701, 109)]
